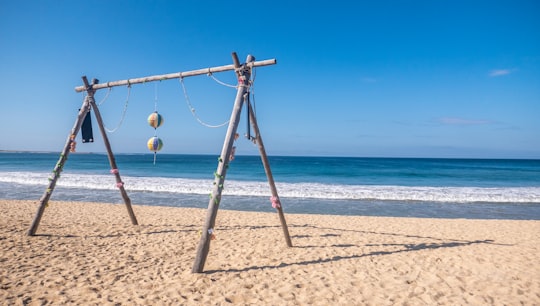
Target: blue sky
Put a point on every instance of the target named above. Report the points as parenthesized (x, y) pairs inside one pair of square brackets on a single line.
[(353, 78)]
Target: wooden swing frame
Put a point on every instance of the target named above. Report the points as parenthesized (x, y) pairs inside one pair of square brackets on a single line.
[(243, 73)]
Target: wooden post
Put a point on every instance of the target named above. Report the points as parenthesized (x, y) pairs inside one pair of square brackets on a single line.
[(43, 202), (273, 189), (243, 73), (112, 161)]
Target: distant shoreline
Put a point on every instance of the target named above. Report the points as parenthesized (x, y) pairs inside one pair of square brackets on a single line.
[(274, 156)]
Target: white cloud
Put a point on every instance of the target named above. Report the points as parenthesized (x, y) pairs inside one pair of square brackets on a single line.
[(461, 121), (500, 72)]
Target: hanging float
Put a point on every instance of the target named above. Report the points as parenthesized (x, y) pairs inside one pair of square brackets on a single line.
[(155, 144), (155, 120)]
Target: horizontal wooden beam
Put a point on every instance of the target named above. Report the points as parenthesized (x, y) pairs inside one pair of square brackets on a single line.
[(175, 75)]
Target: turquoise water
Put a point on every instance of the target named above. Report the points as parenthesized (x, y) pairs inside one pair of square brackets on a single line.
[(449, 188)]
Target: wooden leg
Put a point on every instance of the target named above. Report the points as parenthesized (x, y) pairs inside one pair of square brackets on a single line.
[(83, 112)]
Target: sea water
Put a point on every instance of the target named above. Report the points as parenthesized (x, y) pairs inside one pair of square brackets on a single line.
[(440, 188)]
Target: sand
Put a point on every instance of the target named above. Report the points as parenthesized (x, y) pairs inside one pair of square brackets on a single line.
[(90, 254)]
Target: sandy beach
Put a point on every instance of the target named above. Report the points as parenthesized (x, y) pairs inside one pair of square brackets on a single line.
[(90, 254)]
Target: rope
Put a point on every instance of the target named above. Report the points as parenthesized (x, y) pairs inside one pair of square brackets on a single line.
[(155, 97), (192, 109), (123, 113), (106, 96), (252, 91), (220, 82)]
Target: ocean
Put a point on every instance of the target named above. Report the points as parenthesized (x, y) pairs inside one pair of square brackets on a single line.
[(400, 187)]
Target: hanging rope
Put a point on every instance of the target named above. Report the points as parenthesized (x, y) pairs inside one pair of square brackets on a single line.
[(155, 97), (192, 109), (250, 96), (155, 120), (106, 96), (220, 82), (155, 127), (252, 90), (123, 113)]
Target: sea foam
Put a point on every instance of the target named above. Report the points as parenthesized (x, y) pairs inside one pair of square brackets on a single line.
[(291, 190)]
